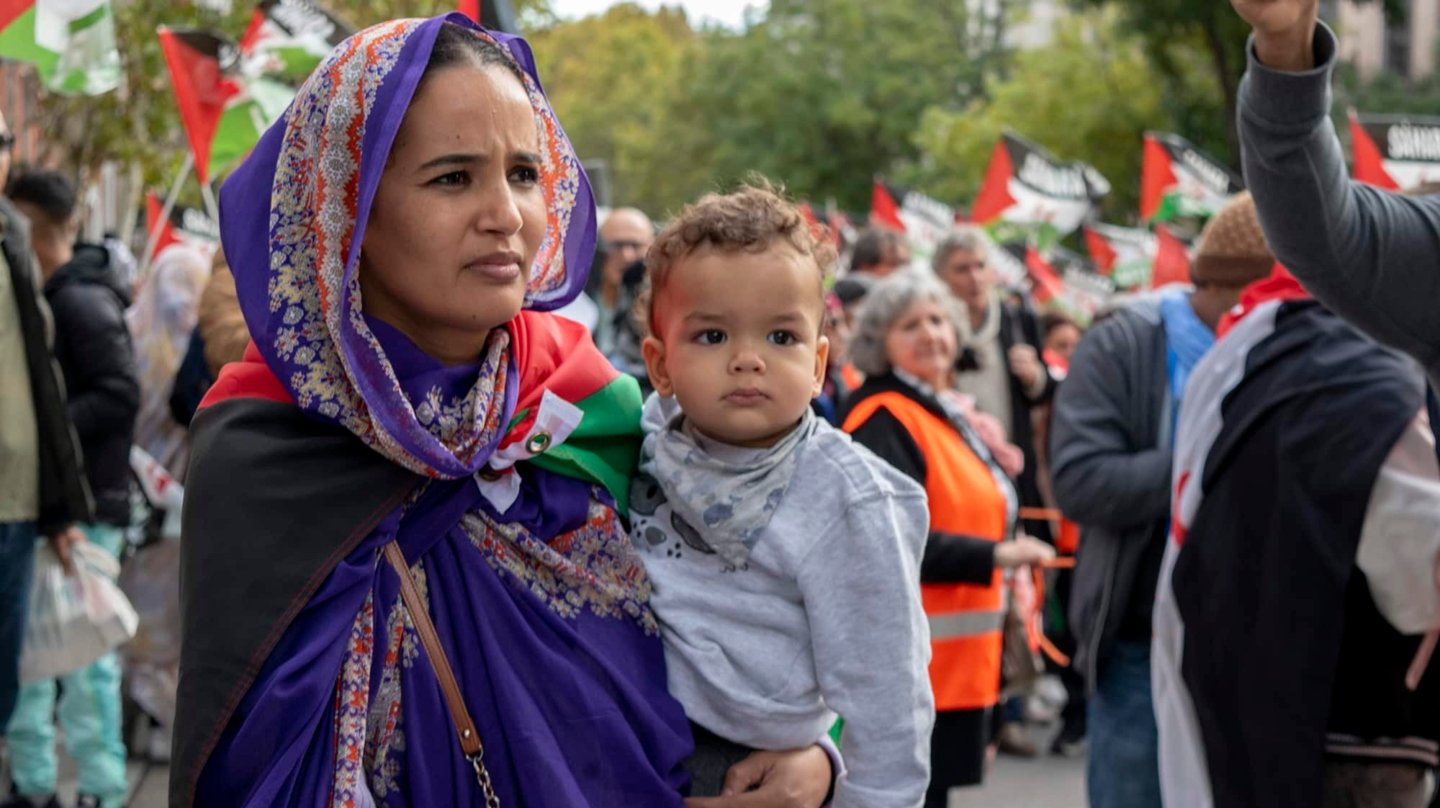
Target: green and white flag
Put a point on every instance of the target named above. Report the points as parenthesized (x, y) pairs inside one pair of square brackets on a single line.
[(70, 42)]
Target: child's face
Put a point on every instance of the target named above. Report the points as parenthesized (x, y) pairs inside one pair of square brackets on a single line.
[(738, 342)]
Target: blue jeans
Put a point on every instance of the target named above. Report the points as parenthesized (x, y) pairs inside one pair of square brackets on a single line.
[(17, 567), (89, 711), (1124, 766)]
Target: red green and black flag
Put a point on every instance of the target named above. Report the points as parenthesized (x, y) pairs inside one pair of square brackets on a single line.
[(70, 42), (1045, 283), (1178, 180), (1172, 259), (287, 39), (1026, 185), (1395, 153), (203, 72), (1123, 254)]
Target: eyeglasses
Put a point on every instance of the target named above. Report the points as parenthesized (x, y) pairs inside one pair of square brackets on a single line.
[(7, 140)]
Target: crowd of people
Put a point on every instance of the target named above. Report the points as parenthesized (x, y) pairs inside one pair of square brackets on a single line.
[(490, 502)]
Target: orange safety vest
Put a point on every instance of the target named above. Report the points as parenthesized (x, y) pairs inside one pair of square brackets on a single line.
[(965, 619)]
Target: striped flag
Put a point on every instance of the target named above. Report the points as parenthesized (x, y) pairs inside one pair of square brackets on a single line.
[(70, 42)]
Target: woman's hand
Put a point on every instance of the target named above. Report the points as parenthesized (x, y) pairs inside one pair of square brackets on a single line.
[(798, 778), (1024, 550)]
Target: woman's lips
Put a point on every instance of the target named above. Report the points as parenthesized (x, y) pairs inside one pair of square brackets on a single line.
[(500, 267)]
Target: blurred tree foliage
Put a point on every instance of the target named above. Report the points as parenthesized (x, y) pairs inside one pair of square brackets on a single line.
[(1089, 96)]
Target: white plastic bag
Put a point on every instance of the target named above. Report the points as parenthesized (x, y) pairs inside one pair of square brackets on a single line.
[(74, 619)]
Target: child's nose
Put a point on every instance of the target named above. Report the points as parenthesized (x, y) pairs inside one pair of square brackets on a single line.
[(747, 360)]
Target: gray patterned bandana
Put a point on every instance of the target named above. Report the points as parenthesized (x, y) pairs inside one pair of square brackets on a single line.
[(721, 497)]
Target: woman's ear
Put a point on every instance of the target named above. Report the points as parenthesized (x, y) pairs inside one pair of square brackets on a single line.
[(654, 352)]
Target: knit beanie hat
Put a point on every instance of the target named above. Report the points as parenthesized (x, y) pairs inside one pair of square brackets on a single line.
[(1232, 248)]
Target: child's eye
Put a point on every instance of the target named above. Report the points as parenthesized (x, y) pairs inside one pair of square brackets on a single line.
[(454, 179), (710, 336), (783, 338), (525, 175)]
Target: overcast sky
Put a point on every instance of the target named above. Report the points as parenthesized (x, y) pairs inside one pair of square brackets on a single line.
[(725, 12)]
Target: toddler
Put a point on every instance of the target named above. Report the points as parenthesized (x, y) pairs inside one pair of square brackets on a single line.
[(784, 558)]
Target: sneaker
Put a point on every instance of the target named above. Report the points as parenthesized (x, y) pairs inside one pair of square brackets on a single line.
[(1014, 740)]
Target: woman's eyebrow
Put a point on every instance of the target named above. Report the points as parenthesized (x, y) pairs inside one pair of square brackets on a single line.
[(452, 160)]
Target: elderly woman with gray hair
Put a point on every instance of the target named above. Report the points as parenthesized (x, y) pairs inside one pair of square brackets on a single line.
[(905, 342)]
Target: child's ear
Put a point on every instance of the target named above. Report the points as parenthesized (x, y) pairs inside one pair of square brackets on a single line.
[(822, 357), (654, 352)]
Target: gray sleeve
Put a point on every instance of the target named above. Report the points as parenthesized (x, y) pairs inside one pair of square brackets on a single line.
[(1099, 478), (861, 586), (1371, 256)]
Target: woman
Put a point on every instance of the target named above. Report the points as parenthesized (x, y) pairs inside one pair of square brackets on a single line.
[(905, 343), (161, 322), (401, 424)]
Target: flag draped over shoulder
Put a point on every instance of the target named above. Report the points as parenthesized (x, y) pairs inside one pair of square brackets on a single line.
[(70, 42), (1179, 180), (1272, 476)]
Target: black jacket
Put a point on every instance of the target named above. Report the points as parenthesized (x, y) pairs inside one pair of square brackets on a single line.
[(1018, 326), (1110, 461), (93, 347), (64, 494)]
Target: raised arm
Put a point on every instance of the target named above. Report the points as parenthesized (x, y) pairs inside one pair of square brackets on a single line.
[(1371, 256)]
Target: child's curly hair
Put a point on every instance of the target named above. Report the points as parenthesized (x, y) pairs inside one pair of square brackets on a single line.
[(750, 219)]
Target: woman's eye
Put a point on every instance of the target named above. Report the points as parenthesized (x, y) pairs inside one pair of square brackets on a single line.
[(710, 336), (527, 175), (782, 338), (453, 179)]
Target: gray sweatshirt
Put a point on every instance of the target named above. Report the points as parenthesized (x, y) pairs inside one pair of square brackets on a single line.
[(1371, 256), (824, 617)]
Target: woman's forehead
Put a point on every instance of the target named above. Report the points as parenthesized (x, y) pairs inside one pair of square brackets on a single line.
[(469, 105)]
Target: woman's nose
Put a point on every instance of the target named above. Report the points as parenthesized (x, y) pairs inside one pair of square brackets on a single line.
[(499, 212)]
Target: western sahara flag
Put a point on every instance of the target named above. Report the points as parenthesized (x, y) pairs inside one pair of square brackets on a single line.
[(925, 221), (1025, 185), (1272, 475), (185, 225), (287, 39), (1133, 258), (1395, 153), (70, 42), (207, 90), (1177, 179)]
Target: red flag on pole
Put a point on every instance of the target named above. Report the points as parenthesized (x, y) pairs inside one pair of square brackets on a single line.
[(201, 88), (1369, 162), (1156, 177), (1045, 283), (470, 8), (165, 236), (1172, 259), (1101, 252), (994, 197), (883, 210)]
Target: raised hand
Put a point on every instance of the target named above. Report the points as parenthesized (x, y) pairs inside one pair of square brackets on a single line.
[(1284, 31)]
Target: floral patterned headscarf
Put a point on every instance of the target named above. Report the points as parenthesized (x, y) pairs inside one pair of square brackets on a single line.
[(292, 221)]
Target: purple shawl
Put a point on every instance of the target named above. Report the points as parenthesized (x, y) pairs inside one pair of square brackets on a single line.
[(542, 607)]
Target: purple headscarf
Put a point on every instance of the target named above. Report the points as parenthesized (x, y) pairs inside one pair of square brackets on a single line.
[(294, 217)]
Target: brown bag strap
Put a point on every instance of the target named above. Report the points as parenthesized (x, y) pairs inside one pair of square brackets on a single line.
[(440, 663)]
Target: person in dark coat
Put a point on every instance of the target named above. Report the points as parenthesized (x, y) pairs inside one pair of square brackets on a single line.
[(42, 482), (97, 358)]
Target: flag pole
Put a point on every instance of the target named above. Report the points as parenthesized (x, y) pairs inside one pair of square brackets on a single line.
[(211, 206), (158, 226)]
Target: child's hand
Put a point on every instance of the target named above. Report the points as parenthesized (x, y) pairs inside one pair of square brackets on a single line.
[(798, 778)]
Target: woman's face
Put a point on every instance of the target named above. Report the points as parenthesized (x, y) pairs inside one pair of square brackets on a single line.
[(921, 342), (459, 213)]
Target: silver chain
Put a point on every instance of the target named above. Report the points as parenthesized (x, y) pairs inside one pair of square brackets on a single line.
[(482, 776)]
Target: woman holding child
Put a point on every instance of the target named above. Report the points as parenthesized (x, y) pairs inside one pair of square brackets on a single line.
[(905, 343), (405, 580)]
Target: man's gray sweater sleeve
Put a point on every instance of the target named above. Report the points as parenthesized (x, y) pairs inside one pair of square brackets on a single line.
[(1372, 256)]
